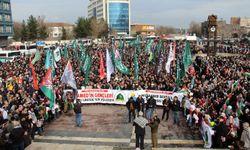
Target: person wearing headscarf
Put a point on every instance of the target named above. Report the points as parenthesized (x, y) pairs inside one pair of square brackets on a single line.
[(245, 136)]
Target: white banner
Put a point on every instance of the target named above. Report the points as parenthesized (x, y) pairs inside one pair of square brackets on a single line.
[(120, 97)]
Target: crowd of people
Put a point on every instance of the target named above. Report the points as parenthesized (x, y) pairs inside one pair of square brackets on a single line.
[(221, 89)]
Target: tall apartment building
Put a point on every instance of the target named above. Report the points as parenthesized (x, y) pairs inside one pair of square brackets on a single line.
[(6, 25), (115, 12)]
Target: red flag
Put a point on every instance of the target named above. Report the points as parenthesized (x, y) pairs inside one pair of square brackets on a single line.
[(35, 83), (102, 71)]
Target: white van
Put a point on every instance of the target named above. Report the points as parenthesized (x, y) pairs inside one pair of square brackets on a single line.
[(6, 56)]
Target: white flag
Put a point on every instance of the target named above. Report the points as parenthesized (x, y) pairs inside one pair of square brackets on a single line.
[(68, 76), (57, 54), (170, 58), (109, 65)]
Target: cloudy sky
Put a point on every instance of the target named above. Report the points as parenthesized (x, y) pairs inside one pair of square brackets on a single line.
[(178, 13)]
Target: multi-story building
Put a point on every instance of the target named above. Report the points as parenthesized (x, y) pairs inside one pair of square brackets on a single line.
[(143, 29), (115, 12), (6, 25), (55, 30), (235, 20), (245, 23)]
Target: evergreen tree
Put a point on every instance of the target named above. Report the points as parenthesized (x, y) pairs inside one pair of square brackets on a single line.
[(24, 32), (83, 27), (32, 26), (43, 32), (64, 34)]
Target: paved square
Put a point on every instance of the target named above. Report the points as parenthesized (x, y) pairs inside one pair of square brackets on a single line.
[(107, 125)]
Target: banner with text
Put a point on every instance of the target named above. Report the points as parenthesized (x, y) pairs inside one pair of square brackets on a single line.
[(120, 97)]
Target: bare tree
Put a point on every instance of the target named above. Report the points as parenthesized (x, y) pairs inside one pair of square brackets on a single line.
[(99, 28), (165, 30), (17, 26), (195, 27)]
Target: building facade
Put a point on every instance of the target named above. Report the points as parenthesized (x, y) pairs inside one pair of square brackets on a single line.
[(245, 23), (115, 12), (6, 24), (224, 30), (235, 20), (55, 30), (143, 29)]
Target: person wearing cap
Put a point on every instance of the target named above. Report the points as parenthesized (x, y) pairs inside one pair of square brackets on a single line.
[(140, 123), (154, 124)]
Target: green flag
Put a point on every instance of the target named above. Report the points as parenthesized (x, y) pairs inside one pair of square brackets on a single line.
[(158, 48), (75, 49), (136, 66), (121, 44), (138, 43), (65, 52), (82, 52), (240, 107), (46, 87), (247, 74), (116, 60), (74, 44), (150, 56), (187, 58), (121, 47), (236, 83), (192, 82), (118, 64), (37, 57), (149, 45), (178, 77), (86, 69)]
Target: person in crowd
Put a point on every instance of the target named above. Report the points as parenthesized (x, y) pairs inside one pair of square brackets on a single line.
[(175, 105), (78, 113), (17, 135), (150, 107), (139, 104), (140, 122), (166, 107), (131, 108), (245, 136), (154, 124), (221, 131), (221, 85)]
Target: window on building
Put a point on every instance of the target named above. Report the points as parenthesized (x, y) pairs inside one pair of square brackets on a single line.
[(1, 29), (8, 29), (1, 17), (6, 6), (7, 18)]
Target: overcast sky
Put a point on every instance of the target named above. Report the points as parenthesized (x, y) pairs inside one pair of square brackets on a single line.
[(178, 13)]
